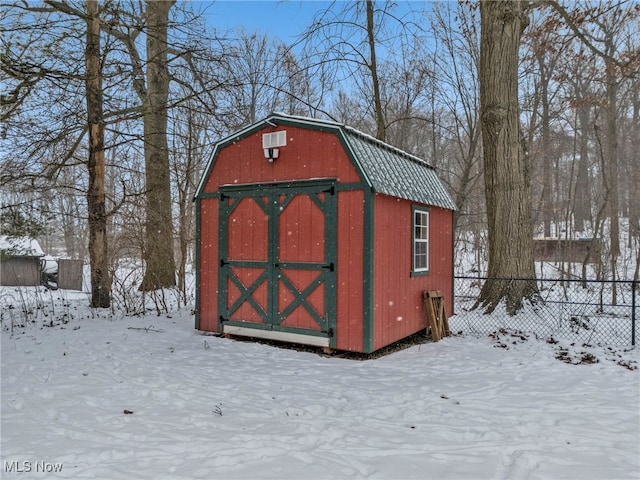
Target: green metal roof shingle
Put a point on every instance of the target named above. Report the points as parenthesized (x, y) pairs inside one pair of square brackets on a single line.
[(396, 173)]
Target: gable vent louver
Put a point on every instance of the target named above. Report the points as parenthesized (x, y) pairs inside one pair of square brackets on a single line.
[(274, 140)]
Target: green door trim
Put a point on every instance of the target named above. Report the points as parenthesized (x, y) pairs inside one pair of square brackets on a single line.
[(368, 333), (301, 296), (245, 294), (273, 199)]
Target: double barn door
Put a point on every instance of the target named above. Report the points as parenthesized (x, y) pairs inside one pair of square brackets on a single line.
[(278, 261)]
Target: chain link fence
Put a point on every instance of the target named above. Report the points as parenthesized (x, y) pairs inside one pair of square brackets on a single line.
[(594, 312)]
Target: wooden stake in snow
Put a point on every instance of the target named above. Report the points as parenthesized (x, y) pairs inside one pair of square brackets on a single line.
[(436, 316)]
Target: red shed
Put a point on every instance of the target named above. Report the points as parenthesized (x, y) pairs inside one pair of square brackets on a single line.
[(311, 232)]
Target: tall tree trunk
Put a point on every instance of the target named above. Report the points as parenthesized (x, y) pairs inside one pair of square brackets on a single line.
[(612, 164), (158, 253), (100, 282), (381, 128), (547, 204), (612, 155), (634, 194), (507, 179), (582, 197), (185, 190)]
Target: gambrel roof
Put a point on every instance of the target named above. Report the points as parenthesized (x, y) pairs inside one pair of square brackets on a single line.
[(386, 169)]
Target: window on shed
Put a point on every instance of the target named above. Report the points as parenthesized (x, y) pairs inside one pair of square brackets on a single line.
[(420, 240)]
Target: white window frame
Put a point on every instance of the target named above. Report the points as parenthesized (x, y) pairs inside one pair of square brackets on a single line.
[(420, 236)]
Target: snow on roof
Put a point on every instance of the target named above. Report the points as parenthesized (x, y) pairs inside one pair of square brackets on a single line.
[(20, 246)]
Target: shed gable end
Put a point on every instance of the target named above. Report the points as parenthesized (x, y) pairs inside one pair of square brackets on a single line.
[(382, 167)]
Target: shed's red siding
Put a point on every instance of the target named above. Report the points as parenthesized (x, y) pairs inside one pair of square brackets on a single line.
[(397, 296), (308, 154), (208, 266), (350, 271)]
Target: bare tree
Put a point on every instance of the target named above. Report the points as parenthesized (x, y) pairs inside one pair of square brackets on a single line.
[(634, 199), (456, 75), (602, 29), (407, 91), (100, 281), (296, 84), (56, 143), (158, 253), (381, 127), (580, 71), (546, 49), (351, 110), (506, 170), (191, 139), (345, 43), (251, 76), (46, 64)]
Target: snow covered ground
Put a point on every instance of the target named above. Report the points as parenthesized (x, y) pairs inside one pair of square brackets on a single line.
[(115, 397)]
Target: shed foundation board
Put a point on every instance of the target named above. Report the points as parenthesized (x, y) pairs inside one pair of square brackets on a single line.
[(275, 335)]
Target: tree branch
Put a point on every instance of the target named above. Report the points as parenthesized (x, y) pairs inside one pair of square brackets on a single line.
[(562, 11)]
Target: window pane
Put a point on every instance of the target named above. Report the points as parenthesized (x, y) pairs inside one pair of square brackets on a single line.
[(421, 240)]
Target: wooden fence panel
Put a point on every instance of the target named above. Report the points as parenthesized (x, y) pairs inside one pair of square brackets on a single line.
[(70, 274), (19, 271)]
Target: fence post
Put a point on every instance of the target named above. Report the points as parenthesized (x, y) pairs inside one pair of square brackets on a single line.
[(634, 285)]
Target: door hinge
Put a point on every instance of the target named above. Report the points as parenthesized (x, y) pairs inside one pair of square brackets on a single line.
[(223, 262), (331, 190), (223, 319), (329, 267)]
